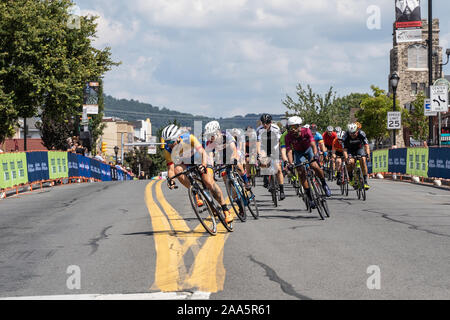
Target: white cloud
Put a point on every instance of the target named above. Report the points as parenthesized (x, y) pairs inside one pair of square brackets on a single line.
[(112, 32)]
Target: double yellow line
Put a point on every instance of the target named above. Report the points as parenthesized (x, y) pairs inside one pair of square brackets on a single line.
[(207, 273)]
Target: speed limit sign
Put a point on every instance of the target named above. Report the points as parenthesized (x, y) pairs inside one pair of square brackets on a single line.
[(394, 120)]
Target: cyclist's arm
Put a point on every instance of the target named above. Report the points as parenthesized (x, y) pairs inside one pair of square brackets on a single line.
[(170, 170), (314, 147), (290, 157)]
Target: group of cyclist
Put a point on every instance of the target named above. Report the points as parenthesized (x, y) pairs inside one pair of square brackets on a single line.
[(265, 146)]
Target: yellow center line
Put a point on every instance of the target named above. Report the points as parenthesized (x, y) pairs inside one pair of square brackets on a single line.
[(207, 272)]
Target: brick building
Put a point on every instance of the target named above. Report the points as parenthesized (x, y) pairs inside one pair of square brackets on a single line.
[(410, 61)]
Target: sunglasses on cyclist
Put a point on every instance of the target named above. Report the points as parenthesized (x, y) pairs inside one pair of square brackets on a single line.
[(170, 141), (294, 127)]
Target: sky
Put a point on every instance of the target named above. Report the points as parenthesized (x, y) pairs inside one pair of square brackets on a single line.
[(223, 58)]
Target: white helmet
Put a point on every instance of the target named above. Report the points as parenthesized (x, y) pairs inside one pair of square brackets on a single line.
[(236, 132), (306, 126), (212, 127), (352, 127), (294, 120), (330, 129), (171, 132), (338, 129), (340, 135)]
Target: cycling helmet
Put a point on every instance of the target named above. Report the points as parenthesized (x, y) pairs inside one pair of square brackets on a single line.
[(338, 129), (212, 127), (294, 120), (313, 127), (236, 132), (171, 132), (340, 135), (266, 118), (352, 127), (306, 126), (330, 129)]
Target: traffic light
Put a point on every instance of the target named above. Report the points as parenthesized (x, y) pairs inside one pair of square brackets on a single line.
[(162, 145), (103, 147)]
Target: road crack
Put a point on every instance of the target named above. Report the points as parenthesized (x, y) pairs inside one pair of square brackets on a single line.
[(94, 242), (285, 286), (410, 225)]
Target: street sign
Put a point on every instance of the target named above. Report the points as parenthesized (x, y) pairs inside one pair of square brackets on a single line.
[(394, 120), (427, 109), (439, 98), (90, 109), (152, 148)]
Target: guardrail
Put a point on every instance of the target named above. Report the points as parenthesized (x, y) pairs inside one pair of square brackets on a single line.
[(425, 163), (27, 169)]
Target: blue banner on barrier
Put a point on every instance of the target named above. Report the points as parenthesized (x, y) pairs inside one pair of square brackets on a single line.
[(106, 172), (84, 166), (34, 167), (95, 169), (397, 160), (119, 174), (439, 163), (369, 164), (73, 164), (37, 166)]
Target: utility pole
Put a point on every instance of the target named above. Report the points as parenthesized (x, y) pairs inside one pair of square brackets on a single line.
[(430, 66)]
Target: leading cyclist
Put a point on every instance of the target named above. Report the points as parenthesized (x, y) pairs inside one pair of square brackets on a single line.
[(187, 149)]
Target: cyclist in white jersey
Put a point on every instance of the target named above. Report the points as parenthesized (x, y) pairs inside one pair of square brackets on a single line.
[(268, 144)]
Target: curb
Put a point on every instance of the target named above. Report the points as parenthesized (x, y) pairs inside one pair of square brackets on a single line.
[(408, 178)]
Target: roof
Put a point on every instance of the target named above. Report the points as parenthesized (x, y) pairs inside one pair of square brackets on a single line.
[(32, 145)]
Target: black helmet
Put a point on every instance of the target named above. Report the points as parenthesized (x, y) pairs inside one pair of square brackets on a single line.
[(266, 118)]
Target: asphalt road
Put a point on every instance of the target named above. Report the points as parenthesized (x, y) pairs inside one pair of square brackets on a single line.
[(139, 237)]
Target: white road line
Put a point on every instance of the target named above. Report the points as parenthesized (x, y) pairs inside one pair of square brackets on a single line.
[(198, 295)]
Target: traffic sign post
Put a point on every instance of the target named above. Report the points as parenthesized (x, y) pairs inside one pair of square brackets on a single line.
[(439, 98), (394, 120), (427, 109), (439, 103)]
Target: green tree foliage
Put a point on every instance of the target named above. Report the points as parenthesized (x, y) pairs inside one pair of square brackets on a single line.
[(136, 157), (45, 63), (323, 110), (373, 115), (415, 120)]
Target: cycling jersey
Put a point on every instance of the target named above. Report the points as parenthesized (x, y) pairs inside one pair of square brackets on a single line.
[(283, 139), (355, 143), (185, 151), (300, 143), (219, 148), (270, 140), (328, 139), (337, 145)]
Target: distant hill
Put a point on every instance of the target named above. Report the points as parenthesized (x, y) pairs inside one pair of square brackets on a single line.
[(132, 110)]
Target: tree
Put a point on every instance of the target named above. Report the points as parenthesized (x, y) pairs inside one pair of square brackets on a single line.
[(415, 120), (323, 110), (373, 115), (44, 63), (136, 157)]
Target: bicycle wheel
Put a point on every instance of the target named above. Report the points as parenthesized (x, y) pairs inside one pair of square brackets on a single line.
[(203, 213), (316, 196), (252, 205), (236, 200), (219, 213), (358, 183), (273, 191), (361, 184)]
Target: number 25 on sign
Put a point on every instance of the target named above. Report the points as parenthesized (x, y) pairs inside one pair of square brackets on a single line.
[(394, 120)]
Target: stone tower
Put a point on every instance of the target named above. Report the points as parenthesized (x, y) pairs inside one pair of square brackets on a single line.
[(410, 61)]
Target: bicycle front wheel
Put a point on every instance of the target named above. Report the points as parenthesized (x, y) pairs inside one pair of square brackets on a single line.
[(236, 201), (204, 213)]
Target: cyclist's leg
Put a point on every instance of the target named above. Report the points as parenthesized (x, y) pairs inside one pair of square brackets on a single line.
[(213, 187), (319, 172), (362, 153), (182, 179)]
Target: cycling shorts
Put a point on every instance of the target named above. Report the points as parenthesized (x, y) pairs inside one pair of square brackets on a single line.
[(300, 157)]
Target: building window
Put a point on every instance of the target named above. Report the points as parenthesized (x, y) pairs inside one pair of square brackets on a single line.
[(417, 57), (413, 88), (422, 87)]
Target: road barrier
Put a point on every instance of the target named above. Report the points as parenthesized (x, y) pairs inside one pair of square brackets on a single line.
[(22, 169), (425, 163)]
